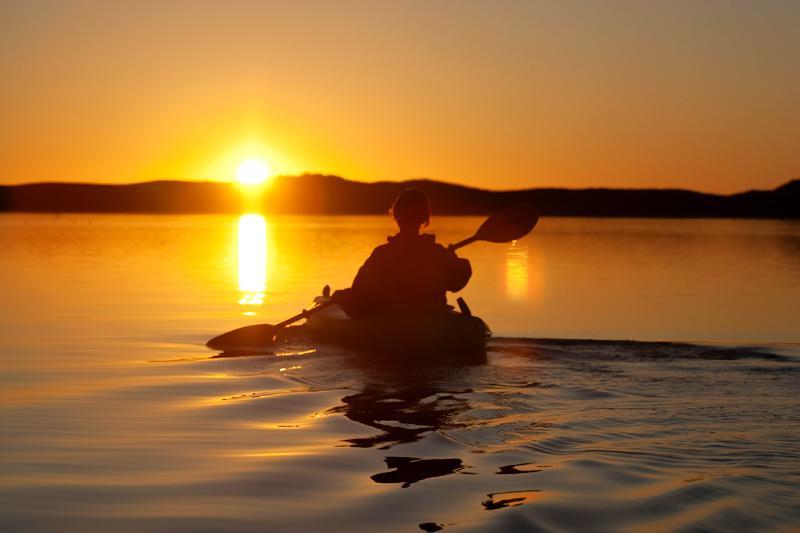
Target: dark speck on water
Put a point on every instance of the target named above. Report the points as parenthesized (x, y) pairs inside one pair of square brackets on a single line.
[(507, 499), (524, 468)]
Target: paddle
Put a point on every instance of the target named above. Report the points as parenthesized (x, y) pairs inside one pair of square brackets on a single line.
[(507, 225), (259, 335)]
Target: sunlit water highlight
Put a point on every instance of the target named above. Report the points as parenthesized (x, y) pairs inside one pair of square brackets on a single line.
[(252, 259), (115, 418)]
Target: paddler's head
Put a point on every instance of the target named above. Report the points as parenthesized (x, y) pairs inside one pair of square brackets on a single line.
[(411, 210)]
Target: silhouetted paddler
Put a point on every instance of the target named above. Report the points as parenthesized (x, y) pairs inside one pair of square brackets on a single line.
[(411, 273)]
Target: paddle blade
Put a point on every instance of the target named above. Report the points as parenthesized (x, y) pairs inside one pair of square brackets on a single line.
[(509, 225), (246, 338)]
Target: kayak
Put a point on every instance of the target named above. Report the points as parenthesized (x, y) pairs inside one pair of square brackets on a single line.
[(448, 335)]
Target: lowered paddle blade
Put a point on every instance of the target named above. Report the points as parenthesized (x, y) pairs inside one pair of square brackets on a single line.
[(253, 338), (509, 225), (246, 338)]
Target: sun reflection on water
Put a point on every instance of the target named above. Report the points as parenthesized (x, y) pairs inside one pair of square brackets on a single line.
[(517, 271), (252, 259)]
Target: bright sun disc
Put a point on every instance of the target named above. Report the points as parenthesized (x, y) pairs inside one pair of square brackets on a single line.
[(253, 172)]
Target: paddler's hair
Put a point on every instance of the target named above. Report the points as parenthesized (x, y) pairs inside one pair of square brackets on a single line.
[(412, 206)]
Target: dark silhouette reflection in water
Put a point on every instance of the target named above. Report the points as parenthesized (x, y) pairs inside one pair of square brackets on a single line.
[(402, 415), (408, 470), (522, 468), (507, 499)]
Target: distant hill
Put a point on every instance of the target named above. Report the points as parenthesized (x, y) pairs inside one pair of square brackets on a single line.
[(321, 194)]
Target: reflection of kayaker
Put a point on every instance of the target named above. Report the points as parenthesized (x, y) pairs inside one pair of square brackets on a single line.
[(401, 412), (410, 274)]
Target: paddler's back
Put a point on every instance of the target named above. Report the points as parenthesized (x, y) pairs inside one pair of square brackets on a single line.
[(408, 275)]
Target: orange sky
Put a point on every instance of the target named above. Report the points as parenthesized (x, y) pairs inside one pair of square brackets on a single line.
[(704, 95)]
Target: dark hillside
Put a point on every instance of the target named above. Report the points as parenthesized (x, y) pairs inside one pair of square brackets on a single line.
[(321, 194)]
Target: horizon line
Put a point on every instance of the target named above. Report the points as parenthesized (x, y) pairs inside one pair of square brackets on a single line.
[(445, 182)]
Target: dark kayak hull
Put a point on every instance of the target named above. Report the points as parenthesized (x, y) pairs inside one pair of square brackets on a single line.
[(449, 336)]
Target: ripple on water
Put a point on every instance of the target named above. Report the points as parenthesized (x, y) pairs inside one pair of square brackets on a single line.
[(548, 435)]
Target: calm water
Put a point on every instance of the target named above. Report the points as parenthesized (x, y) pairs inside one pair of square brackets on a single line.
[(115, 417)]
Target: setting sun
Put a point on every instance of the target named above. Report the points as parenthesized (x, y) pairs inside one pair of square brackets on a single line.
[(253, 172)]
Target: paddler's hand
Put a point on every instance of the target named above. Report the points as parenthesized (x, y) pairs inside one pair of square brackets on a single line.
[(341, 295), (451, 252), (344, 298)]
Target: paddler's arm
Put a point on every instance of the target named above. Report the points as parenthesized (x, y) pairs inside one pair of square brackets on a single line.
[(458, 271), (356, 300)]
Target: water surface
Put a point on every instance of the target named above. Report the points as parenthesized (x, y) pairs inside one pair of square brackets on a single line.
[(115, 417)]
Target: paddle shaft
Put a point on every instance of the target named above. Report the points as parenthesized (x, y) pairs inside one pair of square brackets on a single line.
[(304, 314), (463, 243)]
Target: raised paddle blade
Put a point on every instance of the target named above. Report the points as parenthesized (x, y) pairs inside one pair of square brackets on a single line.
[(508, 225), (246, 338)]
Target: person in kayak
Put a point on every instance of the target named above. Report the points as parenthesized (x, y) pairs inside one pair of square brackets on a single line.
[(410, 274)]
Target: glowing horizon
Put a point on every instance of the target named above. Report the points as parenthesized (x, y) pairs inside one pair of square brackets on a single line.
[(699, 96)]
